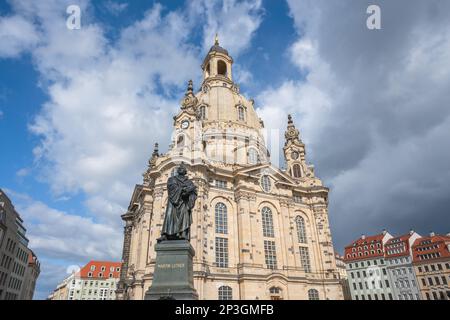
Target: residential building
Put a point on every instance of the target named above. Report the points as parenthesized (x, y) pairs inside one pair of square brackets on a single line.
[(17, 275), (431, 260), (398, 256), (367, 269), (97, 280), (340, 264), (259, 232)]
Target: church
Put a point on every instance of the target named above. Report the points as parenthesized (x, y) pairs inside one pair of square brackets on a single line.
[(259, 232)]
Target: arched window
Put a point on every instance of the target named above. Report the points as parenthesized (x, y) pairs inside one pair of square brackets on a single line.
[(221, 68), (275, 293), (208, 70), (253, 156), (225, 293), (313, 294), (180, 141), (301, 230), (241, 113), (296, 171), (202, 113), (267, 222), (221, 218), (265, 183)]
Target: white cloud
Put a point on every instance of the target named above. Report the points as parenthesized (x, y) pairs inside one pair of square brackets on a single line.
[(116, 7), (16, 36), (235, 22), (109, 101)]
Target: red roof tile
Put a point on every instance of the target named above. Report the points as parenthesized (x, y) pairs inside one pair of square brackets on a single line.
[(101, 270), (365, 248), (431, 248)]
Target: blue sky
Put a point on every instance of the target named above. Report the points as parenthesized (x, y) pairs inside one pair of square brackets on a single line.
[(80, 110)]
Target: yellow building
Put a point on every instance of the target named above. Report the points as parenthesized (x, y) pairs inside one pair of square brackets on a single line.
[(259, 232)]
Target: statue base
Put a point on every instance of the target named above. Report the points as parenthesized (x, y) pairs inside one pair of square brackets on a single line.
[(173, 278)]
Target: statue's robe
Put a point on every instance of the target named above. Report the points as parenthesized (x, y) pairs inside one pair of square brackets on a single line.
[(182, 195)]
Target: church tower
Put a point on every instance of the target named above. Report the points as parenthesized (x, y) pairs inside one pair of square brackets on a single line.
[(259, 232)]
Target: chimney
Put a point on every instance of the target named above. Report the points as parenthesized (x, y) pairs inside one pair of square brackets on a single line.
[(411, 232), (363, 236), (448, 234), (432, 234), (384, 232)]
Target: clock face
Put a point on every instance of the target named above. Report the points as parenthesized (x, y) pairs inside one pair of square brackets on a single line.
[(185, 124), (294, 155)]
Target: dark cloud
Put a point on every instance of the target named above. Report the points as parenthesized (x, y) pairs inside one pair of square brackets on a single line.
[(381, 138)]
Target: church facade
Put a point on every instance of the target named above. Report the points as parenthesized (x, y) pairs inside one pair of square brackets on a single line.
[(259, 232)]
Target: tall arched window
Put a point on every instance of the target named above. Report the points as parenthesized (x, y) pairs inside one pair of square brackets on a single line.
[(180, 141), (265, 183), (222, 68), (241, 113), (267, 222), (202, 113), (225, 293), (221, 218), (296, 171), (313, 294), (253, 156), (301, 230)]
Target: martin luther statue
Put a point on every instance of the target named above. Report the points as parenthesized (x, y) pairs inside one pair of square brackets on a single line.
[(182, 195)]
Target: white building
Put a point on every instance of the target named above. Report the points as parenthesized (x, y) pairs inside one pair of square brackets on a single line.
[(398, 256), (367, 270), (95, 281)]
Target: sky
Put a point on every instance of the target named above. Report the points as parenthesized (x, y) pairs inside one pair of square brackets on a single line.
[(80, 110)]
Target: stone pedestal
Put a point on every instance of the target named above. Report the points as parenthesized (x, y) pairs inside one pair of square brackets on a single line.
[(173, 275)]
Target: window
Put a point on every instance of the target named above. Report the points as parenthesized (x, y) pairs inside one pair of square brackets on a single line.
[(253, 157), (267, 222), (180, 141), (92, 268), (270, 254), (222, 252), (296, 171), (222, 68), (301, 230), (221, 184), (313, 294), (241, 113), (265, 183), (304, 259), (221, 218), (275, 293), (202, 113), (225, 293)]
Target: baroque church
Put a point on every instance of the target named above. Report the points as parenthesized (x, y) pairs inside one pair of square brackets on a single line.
[(259, 232)]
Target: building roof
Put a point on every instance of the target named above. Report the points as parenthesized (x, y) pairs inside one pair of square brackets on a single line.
[(433, 247), (366, 247), (398, 246), (101, 270), (217, 48)]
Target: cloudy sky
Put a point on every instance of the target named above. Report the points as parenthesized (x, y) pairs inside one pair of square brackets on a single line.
[(81, 109)]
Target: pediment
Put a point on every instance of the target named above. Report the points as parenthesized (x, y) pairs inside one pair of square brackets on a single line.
[(266, 169)]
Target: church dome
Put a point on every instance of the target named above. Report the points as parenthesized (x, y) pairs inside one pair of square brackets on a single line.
[(217, 48)]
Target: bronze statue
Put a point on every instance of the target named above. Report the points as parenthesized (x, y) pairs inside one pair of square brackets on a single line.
[(182, 195)]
